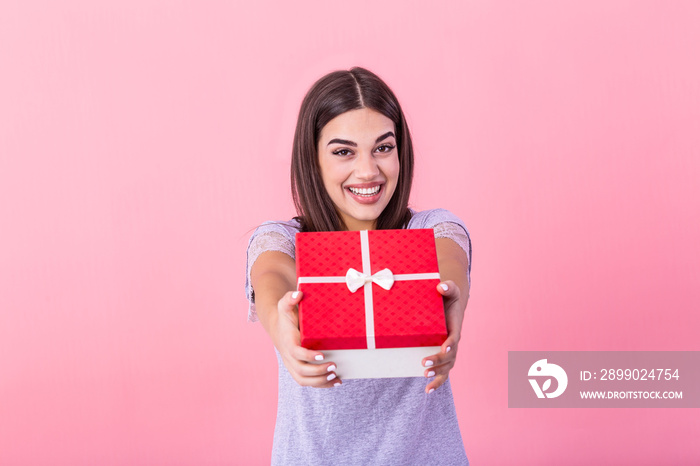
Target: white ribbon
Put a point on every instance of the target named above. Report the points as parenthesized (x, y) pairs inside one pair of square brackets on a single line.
[(355, 279)]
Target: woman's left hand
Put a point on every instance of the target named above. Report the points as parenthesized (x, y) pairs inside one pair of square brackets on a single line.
[(440, 364)]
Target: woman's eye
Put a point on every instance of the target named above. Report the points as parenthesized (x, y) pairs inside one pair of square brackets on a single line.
[(342, 152), (385, 148)]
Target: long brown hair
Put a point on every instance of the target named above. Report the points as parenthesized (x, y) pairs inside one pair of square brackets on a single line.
[(332, 95)]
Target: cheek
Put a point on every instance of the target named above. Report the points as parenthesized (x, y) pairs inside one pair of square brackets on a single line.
[(332, 175), (394, 170), (326, 170)]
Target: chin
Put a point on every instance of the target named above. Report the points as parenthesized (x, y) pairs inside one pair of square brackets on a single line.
[(366, 216)]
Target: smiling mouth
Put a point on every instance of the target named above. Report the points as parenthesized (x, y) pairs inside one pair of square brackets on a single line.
[(366, 192)]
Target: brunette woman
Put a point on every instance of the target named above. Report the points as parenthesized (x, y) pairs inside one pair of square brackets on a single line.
[(352, 167)]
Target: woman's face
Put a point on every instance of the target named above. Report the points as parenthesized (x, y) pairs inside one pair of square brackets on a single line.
[(359, 164)]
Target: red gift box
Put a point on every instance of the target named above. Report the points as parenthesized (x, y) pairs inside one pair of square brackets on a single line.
[(371, 295)]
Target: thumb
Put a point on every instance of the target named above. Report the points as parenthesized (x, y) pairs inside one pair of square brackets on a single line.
[(448, 289), (287, 305)]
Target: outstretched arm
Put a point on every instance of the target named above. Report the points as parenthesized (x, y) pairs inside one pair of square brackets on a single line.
[(273, 276), (454, 264)]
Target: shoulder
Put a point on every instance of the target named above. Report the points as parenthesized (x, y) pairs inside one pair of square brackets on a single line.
[(433, 217), (446, 225), (273, 236), (283, 230), (270, 236)]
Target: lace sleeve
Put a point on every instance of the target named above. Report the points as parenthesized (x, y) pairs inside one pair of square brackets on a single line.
[(446, 225), (459, 235), (262, 241)]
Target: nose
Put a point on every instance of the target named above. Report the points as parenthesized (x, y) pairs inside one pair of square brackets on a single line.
[(366, 167)]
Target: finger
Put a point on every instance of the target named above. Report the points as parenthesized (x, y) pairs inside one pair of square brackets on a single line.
[(447, 354), (450, 344), (454, 321), (287, 305), (290, 300), (306, 355), (448, 289), (331, 383), (314, 370), (318, 381), (294, 297), (432, 369), (443, 368), (301, 369), (454, 318), (436, 383)]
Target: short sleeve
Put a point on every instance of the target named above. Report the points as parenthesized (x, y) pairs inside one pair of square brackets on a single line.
[(267, 237), (446, 225)]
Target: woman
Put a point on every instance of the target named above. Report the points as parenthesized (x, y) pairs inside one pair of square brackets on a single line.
[(352, 167)]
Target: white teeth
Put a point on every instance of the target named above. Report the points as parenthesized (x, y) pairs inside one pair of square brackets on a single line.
[(365, 191)]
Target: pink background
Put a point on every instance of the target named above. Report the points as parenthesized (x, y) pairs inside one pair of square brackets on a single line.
[(142, 141)]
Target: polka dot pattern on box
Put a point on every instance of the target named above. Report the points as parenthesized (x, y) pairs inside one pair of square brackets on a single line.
[(410, 314)]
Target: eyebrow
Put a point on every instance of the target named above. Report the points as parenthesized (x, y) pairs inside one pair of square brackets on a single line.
[(354, 144)]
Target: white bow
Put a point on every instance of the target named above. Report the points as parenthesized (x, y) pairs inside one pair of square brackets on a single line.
[(356, 280)]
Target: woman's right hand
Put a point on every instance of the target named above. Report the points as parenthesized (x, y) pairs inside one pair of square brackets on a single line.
[(301, 363)]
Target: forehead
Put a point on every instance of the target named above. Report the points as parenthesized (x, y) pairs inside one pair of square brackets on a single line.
[(357, 125)]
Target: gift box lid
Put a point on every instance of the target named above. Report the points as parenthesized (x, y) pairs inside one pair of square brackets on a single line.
[(332, 316), (404, 251)]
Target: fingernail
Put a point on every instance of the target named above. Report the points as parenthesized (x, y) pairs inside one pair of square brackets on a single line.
[(447, 350), (331, 368), (295, 295), (330, 377), (444, 287), (318, 357), (428, 363), (431, 374), (337, 384), (431, 390)]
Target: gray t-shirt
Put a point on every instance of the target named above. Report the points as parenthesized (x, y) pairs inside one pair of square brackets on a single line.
[(363, 421)]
